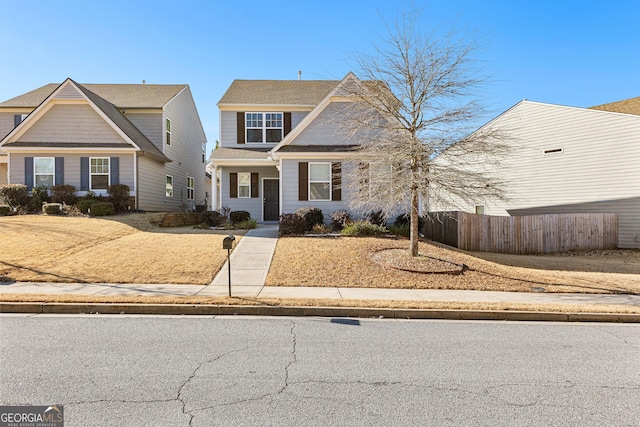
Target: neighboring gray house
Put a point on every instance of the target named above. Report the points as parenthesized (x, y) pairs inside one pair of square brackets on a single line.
[(148, 137), (570, 160), (280, 148)]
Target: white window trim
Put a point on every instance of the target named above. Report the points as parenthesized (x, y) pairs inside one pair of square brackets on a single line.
[(53, 174), (330, 181), (167, 128), (264, 126), (191, 189), (91, 174), (166, 189), (249, 186)]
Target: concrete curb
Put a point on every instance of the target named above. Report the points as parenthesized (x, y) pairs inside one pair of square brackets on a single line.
[(265, 310)]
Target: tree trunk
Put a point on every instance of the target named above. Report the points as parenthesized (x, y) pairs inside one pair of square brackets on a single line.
[(413, 237)]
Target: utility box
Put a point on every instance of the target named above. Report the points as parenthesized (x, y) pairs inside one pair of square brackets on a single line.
[(227, 243)]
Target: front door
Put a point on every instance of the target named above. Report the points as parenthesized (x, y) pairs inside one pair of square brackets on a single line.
[(271, 191)]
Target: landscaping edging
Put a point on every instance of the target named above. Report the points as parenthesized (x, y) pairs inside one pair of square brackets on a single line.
[(259, 310)]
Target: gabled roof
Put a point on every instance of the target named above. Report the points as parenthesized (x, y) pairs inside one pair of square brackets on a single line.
[(120, 95), (113, 114), (627, 106), (277, 92)]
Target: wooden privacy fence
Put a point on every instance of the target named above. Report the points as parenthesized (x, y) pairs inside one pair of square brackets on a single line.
[(523, 234)]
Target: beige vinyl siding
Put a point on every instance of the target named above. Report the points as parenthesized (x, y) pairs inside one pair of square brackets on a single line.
[(72, 166), (150, 124), (229, 130), (289, 190), (252, 205), (68, 92), (76, 123), (597, 170), (324, 129), (7, 120), (3, 173), (185, 151), (152, 186)]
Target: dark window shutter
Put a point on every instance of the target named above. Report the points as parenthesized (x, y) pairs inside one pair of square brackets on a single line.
[(28, 173), (303, 181), (233, 185), (114, 170), (84, 174), (287, 123), (336, 181), (241, 137), (59, 171), (255, 189), (17, 118)]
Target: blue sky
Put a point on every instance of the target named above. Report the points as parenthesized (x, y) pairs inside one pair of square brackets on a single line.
[(577, 53)]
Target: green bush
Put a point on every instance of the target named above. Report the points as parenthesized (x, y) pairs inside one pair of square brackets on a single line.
[(339, 220), (39, 196), (291, 224), (248, 224), (236, 217), (212, 218), (119, 196), (312, 216), (84, 205), (376, 218), (14, 195), (52, 208), (5, 210), (101, 209), (64, 193), (400, 230), (363, 228)]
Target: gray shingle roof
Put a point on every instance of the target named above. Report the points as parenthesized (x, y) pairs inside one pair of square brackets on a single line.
[(278, 92), (120, 95), (627, 106)]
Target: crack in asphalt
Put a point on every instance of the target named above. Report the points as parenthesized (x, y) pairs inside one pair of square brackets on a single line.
[(620, 338)]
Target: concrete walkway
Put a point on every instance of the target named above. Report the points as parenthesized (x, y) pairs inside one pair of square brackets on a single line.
[(250, 261)]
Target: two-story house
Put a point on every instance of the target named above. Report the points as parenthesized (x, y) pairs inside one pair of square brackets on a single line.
[(281, 147), (146, 136)]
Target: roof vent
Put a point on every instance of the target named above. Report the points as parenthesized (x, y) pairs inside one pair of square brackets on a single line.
[(144, 82), (299, 75)]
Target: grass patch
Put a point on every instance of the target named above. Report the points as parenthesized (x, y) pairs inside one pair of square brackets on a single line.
[(347, 262), (122, 249)]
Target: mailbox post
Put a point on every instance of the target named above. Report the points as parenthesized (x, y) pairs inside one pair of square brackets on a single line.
[(227, 244)]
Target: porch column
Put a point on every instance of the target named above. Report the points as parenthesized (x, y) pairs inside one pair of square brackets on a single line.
[(214, 189)]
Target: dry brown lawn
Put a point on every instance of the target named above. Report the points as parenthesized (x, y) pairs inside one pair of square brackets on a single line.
[(347, 262), (121, 249)]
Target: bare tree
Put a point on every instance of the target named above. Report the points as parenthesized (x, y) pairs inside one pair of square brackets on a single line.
[(415, 101)]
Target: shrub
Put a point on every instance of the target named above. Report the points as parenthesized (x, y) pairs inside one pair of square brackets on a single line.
[(212, 218), (52, 208), (237, 217), (5, 210), (312, 216), (39, 196), (319, 229), (101, 209), (84, 205), (64, 193), (248, 224), (340, 219), (119, 196), (400, 230), (224, 211), (291, 224), (362, 228), (376, 218), (405, 219), (14, 195)]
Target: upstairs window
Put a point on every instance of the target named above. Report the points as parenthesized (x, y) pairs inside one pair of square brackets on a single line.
[(18, 118), (168, 129), (263, 127), (99, 173)]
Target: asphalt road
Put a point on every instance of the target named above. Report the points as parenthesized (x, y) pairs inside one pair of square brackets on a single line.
[(231, 371)]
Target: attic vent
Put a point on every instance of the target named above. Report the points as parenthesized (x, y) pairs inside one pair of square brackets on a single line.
[(554, 150)]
